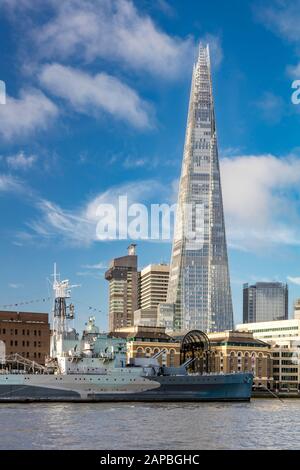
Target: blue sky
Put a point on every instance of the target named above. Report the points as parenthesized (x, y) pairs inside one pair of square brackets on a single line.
[(97, 96)]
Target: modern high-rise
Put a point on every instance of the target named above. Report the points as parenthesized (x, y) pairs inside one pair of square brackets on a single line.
[(123, 278), (199, 285), (265, 301), (153, 290), (154, 285)]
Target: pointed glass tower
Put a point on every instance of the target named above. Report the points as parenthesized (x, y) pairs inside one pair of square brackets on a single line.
[(199, 285)]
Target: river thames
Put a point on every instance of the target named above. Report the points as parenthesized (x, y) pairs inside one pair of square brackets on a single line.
[(260, 424)]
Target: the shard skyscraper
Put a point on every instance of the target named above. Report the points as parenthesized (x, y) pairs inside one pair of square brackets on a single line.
[(199, 284)]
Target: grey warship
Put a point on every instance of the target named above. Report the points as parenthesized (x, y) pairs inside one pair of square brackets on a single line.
[(95, 369)]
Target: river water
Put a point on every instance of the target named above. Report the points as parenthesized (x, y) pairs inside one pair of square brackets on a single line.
[(260, 424)]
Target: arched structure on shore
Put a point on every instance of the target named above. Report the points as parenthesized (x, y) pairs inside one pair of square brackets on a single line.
[(195, 345)]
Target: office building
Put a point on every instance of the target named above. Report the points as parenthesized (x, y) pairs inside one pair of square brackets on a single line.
[(199, 285), (273, 331), (284, 339), (25, 333), (265, 301), (297, 309), (153, 290), (153, 285), (123, 278)]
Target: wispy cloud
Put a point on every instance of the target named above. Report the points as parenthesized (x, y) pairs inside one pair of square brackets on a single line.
[(25, 115), (112, 30), (21, 161), (100, 265), (13, 285), (9, 183), (92, 94), (271, 106), (78, 226), (294, 280), (282, 17), (215, 47)]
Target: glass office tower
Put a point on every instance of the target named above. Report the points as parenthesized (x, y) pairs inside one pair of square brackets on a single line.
[(265, 301), (199, 285)]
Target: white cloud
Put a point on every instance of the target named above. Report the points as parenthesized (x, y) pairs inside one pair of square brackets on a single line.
[(283, 18), (294, 71), (261, 200), (112, 30), (30, 112), (215, 48), (21, 161), (13, 285), (9, 184), (294, 280), (91, 94), (99, 265), (79, 225)]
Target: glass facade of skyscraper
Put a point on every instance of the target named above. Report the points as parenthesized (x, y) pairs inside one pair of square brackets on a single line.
[(199, 284)]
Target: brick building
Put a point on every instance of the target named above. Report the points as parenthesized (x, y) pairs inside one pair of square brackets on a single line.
[(239, 351), (26, 333)]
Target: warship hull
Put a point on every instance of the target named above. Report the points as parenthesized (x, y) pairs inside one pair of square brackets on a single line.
[(124, 387)]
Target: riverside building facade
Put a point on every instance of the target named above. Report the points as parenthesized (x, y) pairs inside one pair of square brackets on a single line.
[(284, 339), (145, 341), (199, 294), (25, 333), (237, 351)]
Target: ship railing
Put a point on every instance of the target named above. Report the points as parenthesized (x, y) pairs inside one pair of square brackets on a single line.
[(16, 359)]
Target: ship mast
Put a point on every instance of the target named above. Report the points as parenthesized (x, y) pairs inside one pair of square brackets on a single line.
[(62, 311)]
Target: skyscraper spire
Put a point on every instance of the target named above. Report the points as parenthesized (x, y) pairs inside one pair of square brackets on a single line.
[(199, 285)]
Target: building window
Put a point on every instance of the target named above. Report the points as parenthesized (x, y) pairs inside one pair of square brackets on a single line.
[(139, 352), (148, 352), (172, 357)]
